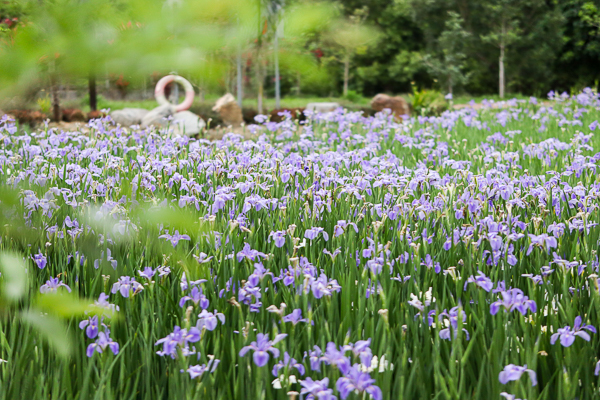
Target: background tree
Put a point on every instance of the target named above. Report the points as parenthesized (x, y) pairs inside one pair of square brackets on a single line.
[(576, 63), (352, 36), (504, 30), (447, 63), (62, 38)]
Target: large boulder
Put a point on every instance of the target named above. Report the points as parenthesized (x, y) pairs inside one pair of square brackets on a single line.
[(29, 117), (322, 107), (157, 116), (73, 115), (187, 123), (99, 114), (229, 110), (129, 116), (397, 104)]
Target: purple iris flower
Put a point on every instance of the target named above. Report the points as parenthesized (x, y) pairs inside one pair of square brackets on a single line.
[(109, 258), (278, 237), (295, 317), (429, 263), (322, 287), (535, 278), (52, 285), (91, 326), (261, 347), (480, 280), (207, 320), (542, 241), (513, 299), (557, 229), (362, 350), (179, 338), (125, 285), (312, 233), (250, 254), (315, 358), (567, 336), (357, 380), (40, 260), (101, 343), (509, 396), (289, 276), (513, 373), (174, 238), (202, 258), (184, 284), (317, 390), (196, 371), (288, 362), (102, 302), (342, 226), (147, 273), (197, 297), (452, 316), (333, 255), (336, 357)]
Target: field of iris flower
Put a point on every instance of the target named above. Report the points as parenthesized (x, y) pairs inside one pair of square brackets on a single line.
[(344, 257)]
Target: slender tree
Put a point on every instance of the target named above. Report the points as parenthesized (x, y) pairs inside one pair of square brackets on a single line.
[(504, 30), (447, 62), (350, 36)]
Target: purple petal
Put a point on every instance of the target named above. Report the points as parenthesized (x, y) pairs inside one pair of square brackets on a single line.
[(261, 358)]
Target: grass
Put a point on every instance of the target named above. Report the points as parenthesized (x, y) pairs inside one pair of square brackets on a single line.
[(434, 190)]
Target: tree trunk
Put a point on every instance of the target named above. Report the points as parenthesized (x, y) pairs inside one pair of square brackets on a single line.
[(277, 82), (259, 75), (501, 73), (501, 61), (56, 112), (92, 92), (346, 73), (298, 76), (260, 85), (240, 82)]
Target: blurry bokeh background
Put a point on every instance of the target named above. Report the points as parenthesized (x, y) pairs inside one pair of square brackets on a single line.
[(97, 54)]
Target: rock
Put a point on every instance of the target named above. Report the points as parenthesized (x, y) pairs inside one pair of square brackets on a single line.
[(128, 116), (187, 123), (156, 116), (28, 117), (229, 110), (322, 107), (98, 114), (249, 114), (397, 104), (73, 115)]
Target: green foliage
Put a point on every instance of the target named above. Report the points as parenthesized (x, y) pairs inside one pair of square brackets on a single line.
[(449, 62), (425, 41), (589, 15), (44, 103), (14, 271), (103, 103), (427, 102), (353, 96)]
